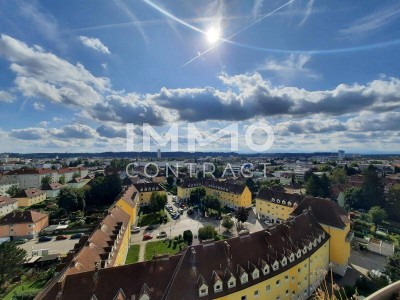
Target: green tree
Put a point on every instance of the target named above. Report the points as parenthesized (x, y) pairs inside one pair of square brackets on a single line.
[(103, 190), (312, 185), (373, 189), (14, 191), (157, 201), (392, 267), (71, 199), (325, 187), (46, 180), (253, 187), (393, 203), (61, 180), (207, 232), (11, 260), (170, 181), (211, 202), (339, 176), (377, 215), (242, 214), (75, 175), (227, 223), (188, 236), (197, 194), (353, 197)]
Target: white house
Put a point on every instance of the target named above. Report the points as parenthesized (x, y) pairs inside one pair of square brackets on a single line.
[(7, 205)]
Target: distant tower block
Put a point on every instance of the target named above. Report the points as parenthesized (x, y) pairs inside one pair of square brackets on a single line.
[(341, 155), (158, 154)]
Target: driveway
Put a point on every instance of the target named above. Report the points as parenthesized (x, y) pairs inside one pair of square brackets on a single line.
[(53, 246)]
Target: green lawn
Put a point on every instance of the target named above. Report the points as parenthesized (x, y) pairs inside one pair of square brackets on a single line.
[(162, 247), (24, 286), (133, 254), (151, 218)]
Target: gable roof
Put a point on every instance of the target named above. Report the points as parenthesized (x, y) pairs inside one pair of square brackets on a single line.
[(269, 194), (215, 185), (30, 193), (326, 211), (18, 217), (148, 187), (4, 200)]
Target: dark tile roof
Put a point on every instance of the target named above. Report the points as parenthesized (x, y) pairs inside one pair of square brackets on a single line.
[(4, 200), (17, 217), (326, 211), (179, 276), (216, 185), (148, 187), (268, 195)]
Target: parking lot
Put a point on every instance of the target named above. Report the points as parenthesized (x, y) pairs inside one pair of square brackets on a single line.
[(53, 246)]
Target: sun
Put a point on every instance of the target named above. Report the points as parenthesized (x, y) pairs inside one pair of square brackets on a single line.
[(213, 35)]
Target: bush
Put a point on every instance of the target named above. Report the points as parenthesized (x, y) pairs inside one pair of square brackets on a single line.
[(26, 295), (188, 237), (207, 232)]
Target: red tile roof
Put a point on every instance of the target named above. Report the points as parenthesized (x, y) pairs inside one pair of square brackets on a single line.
[(6, 201), (30, 193), (27, 216)]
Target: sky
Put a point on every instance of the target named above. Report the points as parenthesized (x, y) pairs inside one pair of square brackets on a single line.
[(323, 74)]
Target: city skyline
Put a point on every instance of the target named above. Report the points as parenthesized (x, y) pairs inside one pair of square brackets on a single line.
[(323, 75)]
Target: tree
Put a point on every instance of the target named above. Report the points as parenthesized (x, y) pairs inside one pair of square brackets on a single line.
[(157, 201), (312, 185), (75, 175), (188, 236), (211, 202), (325, 187), (253, 187), (61, 180), (373, 189), (318, 187), (227, 223), (103, 190), (339, 176), (207, 232), (71, 199), (242, 214), (377, 215), (392, 267), (46, 180), (14, 191), (393, 203), (353, 197), (11, 260), (197, 194), (170, 181)]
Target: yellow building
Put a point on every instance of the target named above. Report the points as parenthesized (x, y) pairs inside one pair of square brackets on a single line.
[(31, 197), (230, 194), (335, 221), (287, 261), (145, 190), (276, 206), (128, 200)]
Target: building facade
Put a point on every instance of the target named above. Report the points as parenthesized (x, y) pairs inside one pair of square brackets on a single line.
[(7, 205), (145, 190), (230, 194), (31, 197), (23, 224)]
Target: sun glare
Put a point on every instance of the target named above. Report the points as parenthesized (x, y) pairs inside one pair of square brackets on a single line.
[(213, 35)]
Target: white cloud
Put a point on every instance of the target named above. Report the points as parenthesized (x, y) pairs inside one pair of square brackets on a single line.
[(6, 97), (95, 44), (38, 106), (293, 66), (372, 22)]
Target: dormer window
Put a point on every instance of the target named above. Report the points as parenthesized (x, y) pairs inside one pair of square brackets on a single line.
[(309, 246), (275, 266), (289, 203), (323, 234), (244, 278), (284, 261), (278, 201), (255, 274), (218, 286), (315, 243), (319, 238), (305, 250), (291, 257), (203, 291), (298, 254), (231, 282), (273, 200), (265, 270), (284, 202)]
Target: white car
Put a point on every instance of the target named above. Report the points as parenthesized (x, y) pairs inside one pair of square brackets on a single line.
[(135, 230)]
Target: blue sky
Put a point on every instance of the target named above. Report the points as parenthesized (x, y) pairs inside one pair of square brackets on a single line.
[(324, 74)]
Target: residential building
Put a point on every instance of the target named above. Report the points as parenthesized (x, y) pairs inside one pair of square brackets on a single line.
[(70, 173), (78, 182), (53, 189), (128, 201), (230, 194), (7, 205), (145, 191), (31, 197), (23, 224), (5, 185), (276, 206), (287, 261), (336, 222)]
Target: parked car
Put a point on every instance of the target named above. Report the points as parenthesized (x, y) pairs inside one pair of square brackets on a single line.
[(176, 216), (135, 230), (61, 237), (183, 205), (76, 236), (147, 237), (150, 227), (21, 241), (45, 238), (161, 235)]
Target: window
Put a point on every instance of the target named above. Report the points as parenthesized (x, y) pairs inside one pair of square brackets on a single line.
[(255, 293), (267, 288), (278, 282), (286, 277), (287, 292), (244, 298), (298, 270)]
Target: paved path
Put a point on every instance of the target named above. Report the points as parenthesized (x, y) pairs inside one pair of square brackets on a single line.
[(141, 251)]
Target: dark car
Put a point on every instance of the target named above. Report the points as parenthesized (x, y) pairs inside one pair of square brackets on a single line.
[(150, 227), (190, 212), (61, 237), (76, 236), (45, 238)]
